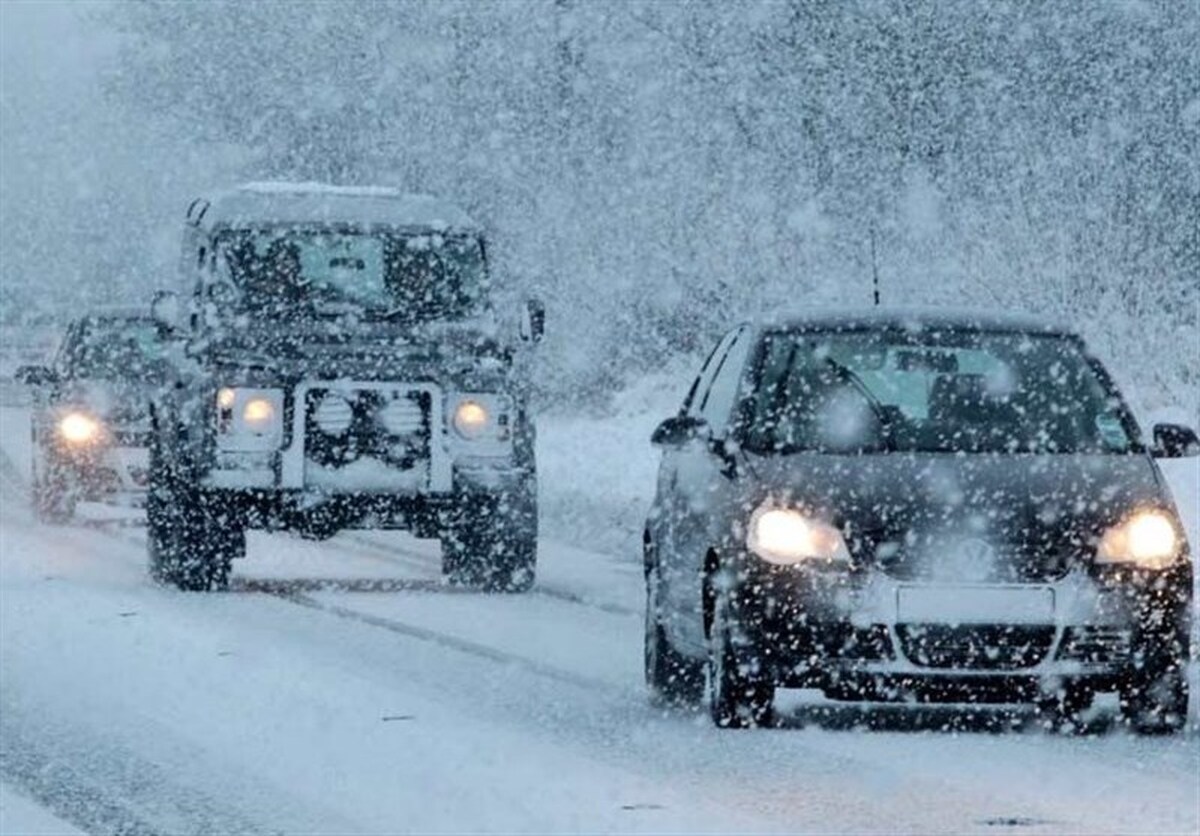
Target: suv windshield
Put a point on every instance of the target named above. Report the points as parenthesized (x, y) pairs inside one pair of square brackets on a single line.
[(948, 391), (114, 349), (412, 277)]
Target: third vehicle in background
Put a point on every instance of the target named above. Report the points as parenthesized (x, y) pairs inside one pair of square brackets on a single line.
[(90, 417)]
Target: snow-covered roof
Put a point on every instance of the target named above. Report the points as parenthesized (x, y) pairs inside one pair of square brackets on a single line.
[(274, 203), (917, 318)]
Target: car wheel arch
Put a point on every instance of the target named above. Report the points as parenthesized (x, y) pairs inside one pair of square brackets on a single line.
[(708, 592)]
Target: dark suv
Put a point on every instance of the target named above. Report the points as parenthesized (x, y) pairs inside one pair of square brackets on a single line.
[(896, 506), (90, 419), (338, 364)]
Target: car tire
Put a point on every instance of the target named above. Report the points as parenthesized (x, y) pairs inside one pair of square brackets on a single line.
[(673, 679), (739, 694), (1063, 710), (1155, 701), (491, 543), (189, 546), (52, 498)]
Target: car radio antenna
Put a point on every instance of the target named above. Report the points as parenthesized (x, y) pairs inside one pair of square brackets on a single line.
[(874, 268)]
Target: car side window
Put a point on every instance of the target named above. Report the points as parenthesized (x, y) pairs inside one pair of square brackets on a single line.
[(704, 379), (717, 405)]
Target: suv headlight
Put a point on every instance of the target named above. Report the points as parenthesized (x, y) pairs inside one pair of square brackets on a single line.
[(249, 419), (1148, 540), (481, 417), (784, 536)]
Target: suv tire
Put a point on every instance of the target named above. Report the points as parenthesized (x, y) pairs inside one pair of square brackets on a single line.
[(491, 542), (189, 546)]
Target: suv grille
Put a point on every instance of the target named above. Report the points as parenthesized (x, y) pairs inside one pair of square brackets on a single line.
[(977, 646), (342, 426)]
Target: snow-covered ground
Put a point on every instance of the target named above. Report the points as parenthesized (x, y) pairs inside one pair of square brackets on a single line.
[(340, 689)]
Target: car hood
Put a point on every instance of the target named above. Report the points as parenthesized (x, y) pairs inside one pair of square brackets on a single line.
[(964, 517)]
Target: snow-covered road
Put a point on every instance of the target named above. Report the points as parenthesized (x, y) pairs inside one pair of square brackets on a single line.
[(340, 689)]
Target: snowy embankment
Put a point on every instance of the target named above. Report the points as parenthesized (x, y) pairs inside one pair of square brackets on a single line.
[(21, 817), (597, 472)]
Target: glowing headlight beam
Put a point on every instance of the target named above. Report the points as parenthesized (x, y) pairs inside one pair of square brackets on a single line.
[(78, 428), (1148, 539), (258, 414), (470, 419), (784, 536)]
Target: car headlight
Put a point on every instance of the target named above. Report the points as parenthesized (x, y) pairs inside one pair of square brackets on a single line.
[(785, 536), (1148, 539), (78, 428)]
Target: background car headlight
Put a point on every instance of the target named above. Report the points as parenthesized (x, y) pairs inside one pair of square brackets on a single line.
[(1148, 539), (78, 428), (785, 536)]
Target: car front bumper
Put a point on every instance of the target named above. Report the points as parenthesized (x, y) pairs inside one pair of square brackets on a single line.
[(813, 628), (116, 474)]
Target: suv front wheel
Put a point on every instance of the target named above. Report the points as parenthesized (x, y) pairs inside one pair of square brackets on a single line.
[(491, 542), (191, 543)]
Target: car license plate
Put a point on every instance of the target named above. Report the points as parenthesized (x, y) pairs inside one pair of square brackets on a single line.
[(962, 604)]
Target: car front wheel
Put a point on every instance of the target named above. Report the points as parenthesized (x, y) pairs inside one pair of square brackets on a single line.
[(1155, 701), (740, 694)]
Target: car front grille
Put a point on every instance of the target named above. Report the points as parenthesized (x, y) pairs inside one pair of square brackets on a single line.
[(977, 646), (389, 424)]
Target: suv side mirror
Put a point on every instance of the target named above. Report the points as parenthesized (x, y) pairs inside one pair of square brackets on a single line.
[(533, 321), (166, 310), (1174, 441), (36, 375), (678, 430)]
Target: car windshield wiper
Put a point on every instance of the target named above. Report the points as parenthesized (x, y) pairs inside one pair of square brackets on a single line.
[(877, 407)]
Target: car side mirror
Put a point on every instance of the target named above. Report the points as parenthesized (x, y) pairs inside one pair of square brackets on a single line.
[(679, 430), (166, 310), (533, 321), (36, 375), (1175, 441)]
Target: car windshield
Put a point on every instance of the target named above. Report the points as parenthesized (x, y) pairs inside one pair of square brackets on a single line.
[(947, 391), (116, 349), (380, 275)]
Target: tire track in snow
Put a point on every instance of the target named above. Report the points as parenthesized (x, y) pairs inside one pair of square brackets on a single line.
[(481, 651)]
